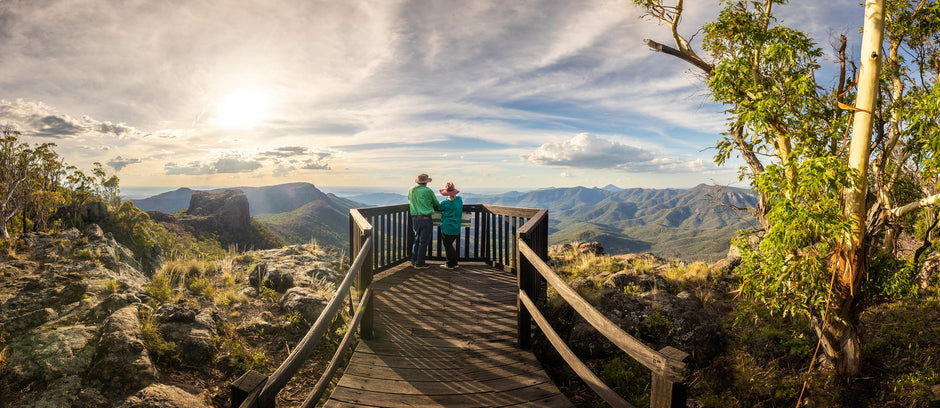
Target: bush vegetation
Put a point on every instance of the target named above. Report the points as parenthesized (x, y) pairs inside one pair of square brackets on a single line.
[(900, 350)]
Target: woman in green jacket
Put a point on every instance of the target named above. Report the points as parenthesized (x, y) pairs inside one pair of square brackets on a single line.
[(451, 213)]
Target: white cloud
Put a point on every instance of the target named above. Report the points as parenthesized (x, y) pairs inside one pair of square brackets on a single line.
[(190, 169), (235, 165), (281, 170), (37, 119), (589, 151)]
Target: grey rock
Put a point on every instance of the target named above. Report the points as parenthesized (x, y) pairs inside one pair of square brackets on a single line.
[(304, 301), (192, 332), (31, 319), (94, 212), (163, 396), (51, 354), (122, 363)]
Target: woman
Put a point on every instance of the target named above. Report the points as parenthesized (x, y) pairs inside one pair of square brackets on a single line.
[(451, 212)]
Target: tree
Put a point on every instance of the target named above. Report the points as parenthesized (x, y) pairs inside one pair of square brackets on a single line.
[(825, 197), (15, 161)]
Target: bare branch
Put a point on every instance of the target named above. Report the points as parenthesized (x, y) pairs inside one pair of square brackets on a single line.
[(688, 57), (924, 202)]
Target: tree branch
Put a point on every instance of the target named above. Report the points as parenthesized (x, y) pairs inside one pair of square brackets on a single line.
[(906, 209), (692, 59)]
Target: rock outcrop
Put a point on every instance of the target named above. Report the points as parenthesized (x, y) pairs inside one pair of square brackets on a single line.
[(79, 326), (226, 211)]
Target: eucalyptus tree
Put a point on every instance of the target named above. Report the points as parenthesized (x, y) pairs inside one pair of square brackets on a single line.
[(15, 161), (832, 191)]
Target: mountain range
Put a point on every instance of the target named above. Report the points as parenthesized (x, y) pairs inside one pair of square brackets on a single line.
[(689, 224)]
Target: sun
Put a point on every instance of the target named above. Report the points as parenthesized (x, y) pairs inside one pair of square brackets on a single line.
[(241, 109)]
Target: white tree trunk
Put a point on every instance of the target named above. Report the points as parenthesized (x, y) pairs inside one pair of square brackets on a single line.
[(850, 263)]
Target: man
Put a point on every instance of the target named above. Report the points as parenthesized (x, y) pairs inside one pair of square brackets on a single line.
[(423, 202)]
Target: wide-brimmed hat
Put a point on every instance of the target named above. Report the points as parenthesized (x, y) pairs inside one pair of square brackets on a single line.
[(449, 190), (423, 179)]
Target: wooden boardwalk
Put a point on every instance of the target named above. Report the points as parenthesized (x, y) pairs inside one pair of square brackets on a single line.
[(445, 339)]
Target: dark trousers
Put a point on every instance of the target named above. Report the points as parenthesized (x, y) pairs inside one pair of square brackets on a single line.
[(450, 250), (422, 226)]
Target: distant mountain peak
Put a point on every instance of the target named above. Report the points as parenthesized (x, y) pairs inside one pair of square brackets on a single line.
[(611, 187)]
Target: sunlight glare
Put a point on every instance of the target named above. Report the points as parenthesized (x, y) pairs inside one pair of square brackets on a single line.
[(241, 109)]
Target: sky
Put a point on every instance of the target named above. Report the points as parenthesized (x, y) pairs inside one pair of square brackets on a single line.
[(487, 94)]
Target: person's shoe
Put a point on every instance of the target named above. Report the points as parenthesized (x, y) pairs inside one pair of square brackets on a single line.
[(422, 266), (445, 266), (455, 267)]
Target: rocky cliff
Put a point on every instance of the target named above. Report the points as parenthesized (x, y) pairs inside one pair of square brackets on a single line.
[(82, 326)]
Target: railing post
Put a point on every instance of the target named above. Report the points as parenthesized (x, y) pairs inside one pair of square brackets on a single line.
[(365, 279), (248, 385), (524, 278), (666, 392)]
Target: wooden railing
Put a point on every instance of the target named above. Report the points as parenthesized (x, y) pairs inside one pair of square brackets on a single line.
[(381, 238), (667, 365), (254, 390), (489, 238)]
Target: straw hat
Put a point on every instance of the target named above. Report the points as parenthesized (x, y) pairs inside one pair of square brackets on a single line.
[(449, 190), (423, 179)]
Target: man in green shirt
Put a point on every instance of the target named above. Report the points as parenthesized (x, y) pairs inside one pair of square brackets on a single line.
[(422, 203)]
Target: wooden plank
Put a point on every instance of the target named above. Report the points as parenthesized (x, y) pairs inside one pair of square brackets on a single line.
[(444, 361), (389, 398), (481, 370), (455, 347), (445, 387)]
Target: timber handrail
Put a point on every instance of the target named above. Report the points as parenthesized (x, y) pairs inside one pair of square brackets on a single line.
[(668, 365), (263, 394)]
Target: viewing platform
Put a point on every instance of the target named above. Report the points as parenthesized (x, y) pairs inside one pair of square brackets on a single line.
[(453, 338)]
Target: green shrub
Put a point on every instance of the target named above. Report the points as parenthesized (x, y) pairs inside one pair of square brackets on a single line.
[(268, 294), (201, 286), (628, 378), (160, 349), (890, 278), (240, 356), (159, 288), (112, 286)]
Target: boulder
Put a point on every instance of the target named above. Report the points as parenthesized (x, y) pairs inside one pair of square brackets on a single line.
[(274, 278), (162, 396), (46, 354), (94, 232), (304, 301), (30, 319), (634, 282), (94, 212), (191, 331), (109, 305), (122, 363)]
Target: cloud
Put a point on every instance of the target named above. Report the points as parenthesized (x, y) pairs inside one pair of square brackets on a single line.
[(235, 165), (285, 151), (282, 170), (192, 169), (318, 162), (41, 120), (119, 162), (586, 150)]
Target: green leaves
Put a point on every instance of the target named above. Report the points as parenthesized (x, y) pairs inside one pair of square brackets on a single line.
[(787, 273)]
